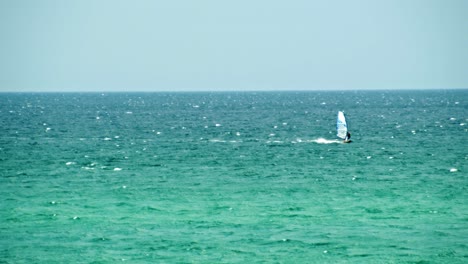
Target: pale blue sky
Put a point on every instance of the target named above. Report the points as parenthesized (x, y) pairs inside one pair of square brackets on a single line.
[(211, 45)]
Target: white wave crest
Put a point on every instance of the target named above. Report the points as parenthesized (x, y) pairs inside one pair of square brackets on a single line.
[(326, 141)]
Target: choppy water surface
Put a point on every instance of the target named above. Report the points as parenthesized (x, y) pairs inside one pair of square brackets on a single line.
[(234, 177)]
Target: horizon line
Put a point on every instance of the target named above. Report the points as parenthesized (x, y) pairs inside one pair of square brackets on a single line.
[(236, 90)]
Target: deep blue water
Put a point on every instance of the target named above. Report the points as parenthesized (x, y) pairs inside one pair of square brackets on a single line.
[(254, 177)]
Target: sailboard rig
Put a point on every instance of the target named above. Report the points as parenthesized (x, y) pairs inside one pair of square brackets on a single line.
[(342, 128)]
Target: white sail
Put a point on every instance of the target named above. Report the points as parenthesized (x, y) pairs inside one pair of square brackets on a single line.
[(341, 126)]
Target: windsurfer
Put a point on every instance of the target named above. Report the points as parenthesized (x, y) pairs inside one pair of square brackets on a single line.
[(347, 138)]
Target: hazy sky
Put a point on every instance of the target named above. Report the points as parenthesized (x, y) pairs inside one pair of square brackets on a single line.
[(138, 45)]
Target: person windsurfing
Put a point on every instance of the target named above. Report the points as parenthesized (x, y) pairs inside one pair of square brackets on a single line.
[(347, 138)]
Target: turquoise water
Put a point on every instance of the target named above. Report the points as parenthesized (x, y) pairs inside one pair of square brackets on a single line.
[(234, 178)]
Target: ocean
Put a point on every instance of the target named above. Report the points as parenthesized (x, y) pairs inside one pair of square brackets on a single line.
[(234, 177)]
